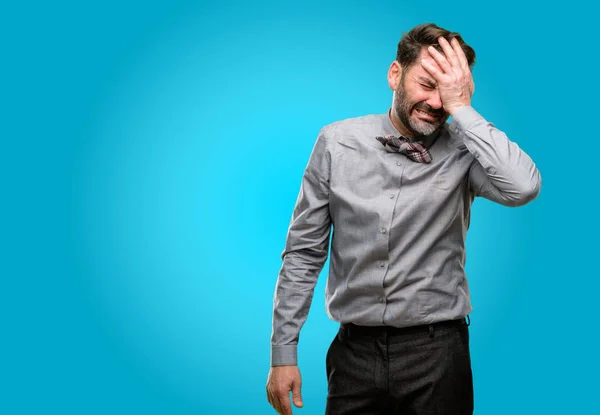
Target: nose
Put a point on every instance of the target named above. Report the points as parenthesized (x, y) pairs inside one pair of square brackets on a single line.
[(434, 100)]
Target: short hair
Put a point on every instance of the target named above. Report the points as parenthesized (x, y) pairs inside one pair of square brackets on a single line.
[(424, 35)]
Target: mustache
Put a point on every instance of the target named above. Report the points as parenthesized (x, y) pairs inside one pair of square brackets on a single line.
[(423, 106)]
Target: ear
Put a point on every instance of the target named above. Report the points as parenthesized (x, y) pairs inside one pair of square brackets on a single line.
[(394, 75)]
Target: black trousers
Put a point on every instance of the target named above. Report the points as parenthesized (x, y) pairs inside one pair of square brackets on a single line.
[(409, 371)]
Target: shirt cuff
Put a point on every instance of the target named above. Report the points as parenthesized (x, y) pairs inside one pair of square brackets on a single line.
[(463, 119), (284, 355)]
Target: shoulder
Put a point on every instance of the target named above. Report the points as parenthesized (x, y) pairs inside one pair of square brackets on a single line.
[(353, 129), (353, 124)]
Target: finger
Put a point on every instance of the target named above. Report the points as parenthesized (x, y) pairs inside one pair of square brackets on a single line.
[(273, 401), (464, 63), (449, 52), (432, 68), (277, 404), (297, 395), (286, 406), (441, 60)]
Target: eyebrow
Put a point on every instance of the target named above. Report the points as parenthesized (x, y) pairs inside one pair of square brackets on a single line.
[(427, 81)]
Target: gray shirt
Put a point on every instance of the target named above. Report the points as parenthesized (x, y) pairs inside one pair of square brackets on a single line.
[(398, 226)]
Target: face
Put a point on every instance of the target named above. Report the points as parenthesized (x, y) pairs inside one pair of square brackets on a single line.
[(417, 101)]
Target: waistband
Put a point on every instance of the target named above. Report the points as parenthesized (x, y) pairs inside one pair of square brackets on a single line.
[(352, 329)]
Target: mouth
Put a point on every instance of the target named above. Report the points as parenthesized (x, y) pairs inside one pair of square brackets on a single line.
[(426, 115)]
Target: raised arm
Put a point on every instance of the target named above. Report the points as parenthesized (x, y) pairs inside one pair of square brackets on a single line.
[(502, 172)]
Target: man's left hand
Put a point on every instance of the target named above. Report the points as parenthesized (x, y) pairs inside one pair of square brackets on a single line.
[(452, 74)]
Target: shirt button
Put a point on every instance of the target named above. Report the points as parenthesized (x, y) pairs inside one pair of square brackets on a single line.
[(381, 299), (383, 230), (391, 196), (398, 163), (381, 265)]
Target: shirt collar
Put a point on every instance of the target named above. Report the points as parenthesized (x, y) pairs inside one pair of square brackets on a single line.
[(389, 128)]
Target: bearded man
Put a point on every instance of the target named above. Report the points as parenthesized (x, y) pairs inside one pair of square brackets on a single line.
[(393, 192)]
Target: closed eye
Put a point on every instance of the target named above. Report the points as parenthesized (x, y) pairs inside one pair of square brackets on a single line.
[(427, 83)]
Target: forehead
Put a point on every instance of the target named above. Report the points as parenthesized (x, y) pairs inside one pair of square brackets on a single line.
[(417, 70)]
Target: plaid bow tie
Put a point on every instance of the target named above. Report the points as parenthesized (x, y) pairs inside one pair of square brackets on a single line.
[(414, 150)]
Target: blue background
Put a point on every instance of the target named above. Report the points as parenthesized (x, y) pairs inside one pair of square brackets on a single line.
[(151, 157)]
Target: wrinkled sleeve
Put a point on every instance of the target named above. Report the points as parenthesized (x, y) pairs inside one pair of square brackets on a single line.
[(305, 253), (501, 171)]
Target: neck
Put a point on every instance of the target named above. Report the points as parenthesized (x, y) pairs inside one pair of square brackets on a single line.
[(398, 124)]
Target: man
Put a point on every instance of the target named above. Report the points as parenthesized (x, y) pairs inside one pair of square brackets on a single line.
[(397, 190)]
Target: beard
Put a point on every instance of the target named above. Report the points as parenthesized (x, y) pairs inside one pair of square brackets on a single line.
[(405, 107)]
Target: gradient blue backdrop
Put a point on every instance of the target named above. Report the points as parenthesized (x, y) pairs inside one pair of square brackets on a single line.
[(151, 157)]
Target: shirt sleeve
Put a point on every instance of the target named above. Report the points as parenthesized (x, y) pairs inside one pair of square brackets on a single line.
[(501, 172), (304, 255)]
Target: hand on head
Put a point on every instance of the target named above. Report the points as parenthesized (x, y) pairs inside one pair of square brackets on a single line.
[(452, 73)]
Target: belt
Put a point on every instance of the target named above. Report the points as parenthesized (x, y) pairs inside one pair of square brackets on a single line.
[(352, 329)]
